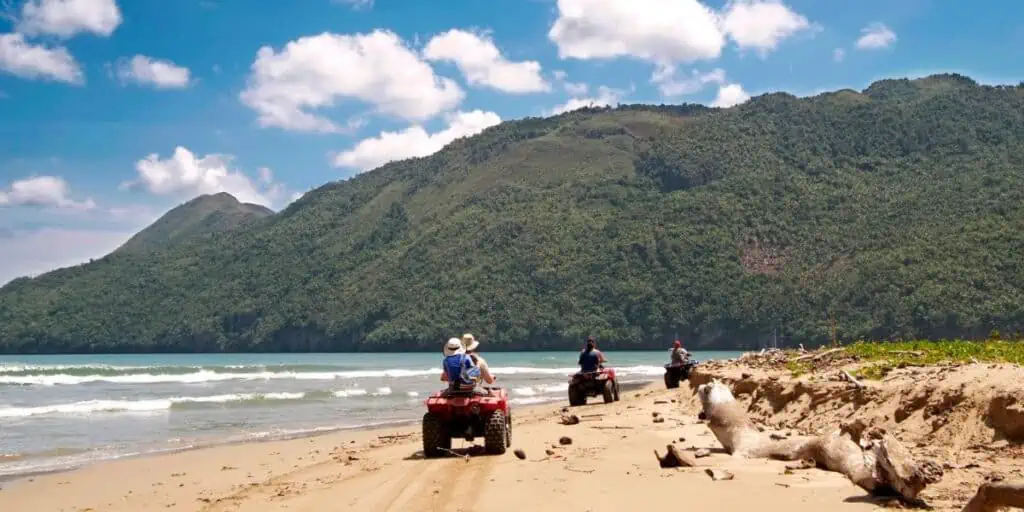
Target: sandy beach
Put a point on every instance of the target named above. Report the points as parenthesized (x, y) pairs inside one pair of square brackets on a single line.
[(954, 415), (609, 466)]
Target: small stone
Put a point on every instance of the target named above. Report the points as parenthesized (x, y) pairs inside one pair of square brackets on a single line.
[(521, 454), (549, 452), (746, 375), (719, 474), (703, 452), (682, 439), (659, 419), (564, 440)]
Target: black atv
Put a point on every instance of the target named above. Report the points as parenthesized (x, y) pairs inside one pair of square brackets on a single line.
[(674, 373)]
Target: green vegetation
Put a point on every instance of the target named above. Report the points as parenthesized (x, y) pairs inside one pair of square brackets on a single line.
[(922, 353), (898, 211), (199, 218)]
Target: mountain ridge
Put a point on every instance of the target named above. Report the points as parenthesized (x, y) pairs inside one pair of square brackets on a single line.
[(200, 217), (895, 213)]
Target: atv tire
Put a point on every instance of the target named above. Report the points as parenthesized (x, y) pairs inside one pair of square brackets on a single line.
[(436, 439), (616, 391), (576, 396), (508, 429), (608, 392), (671, 379), (496, 434)]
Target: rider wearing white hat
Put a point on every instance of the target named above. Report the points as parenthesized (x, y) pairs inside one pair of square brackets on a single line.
[(454, 346), (470, 344)]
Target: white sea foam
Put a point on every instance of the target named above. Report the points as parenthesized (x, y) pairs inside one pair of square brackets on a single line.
[(151, 405)]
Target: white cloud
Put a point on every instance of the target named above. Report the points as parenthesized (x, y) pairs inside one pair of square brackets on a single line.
[(481, 62), (30, 253), (838, 54), (413, 141), (357, 4), (42, 192), (318, 71), (876, 36), (23, 59), (670, 31), (655, 30), (606, 97), (730, 95), (670, 84), (761, 24), (66, 18), (186, 174), (162, 74)]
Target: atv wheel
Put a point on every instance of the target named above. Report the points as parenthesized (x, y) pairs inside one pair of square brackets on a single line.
[(508, 429), (671, 380), (576, 396), (436, 438), (616, 391), (608, 392), (496, 434)]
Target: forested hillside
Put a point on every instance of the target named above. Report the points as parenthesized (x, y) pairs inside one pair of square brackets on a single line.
[(898, 211), (201, 217)]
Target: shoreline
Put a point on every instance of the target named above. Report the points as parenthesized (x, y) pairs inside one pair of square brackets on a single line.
[(10, 479), (383, 469)]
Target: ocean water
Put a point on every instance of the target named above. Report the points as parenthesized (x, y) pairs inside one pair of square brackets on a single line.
[(58, 412)]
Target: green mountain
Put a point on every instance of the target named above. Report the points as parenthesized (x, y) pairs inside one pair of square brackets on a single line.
[(897, 211), (201, 217)]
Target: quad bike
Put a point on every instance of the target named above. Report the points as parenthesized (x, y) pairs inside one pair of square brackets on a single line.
[(467, 414), (587, 384), (678, 372)]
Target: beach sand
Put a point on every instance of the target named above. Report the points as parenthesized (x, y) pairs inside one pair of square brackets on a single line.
[(604, 469)]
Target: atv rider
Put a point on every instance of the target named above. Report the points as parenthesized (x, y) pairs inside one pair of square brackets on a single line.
[(679, 354), (591, 358), (458, 369), (471, 344)]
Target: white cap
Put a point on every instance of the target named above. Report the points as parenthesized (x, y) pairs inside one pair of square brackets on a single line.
[(454, 346)]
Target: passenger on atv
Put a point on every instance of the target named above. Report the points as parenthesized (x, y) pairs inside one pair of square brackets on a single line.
[(460, 371)]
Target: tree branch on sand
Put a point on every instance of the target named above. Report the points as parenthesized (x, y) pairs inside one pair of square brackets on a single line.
[(881, 466)]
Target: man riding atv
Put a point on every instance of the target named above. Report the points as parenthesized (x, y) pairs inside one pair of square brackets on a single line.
[(463, 368), (593, 379), (591, 358), (679, 368)]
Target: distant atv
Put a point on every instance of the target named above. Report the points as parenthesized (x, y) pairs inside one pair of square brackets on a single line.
[(467, 414), (587, 384), (678, 372)]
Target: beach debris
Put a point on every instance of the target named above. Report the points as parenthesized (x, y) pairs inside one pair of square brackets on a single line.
[(746, 376), (549, 452), (674, 458), (227, 468), (682, 439), (659, 419), (995, 496), (612, 427), (803, 464), (570, 419), (845, 376), (655, 414), (719, 474), (660, 402), (564, 440), (521, 454), (394, 436), (701, 453)]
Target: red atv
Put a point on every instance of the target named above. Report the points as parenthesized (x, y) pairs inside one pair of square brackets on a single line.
[(585, 384), (467, 414)]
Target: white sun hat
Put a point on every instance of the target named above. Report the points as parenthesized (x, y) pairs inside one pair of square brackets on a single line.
[(469, 342), (454, 346)]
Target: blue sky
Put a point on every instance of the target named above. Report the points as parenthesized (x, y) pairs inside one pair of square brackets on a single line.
[(114, 111)]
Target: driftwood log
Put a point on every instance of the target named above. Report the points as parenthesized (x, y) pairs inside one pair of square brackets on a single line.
[(996, 496), (881, 466)]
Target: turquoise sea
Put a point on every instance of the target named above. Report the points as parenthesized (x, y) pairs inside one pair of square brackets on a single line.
[(58, 412)]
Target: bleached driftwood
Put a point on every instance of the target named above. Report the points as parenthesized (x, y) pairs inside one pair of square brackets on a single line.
[(996, 496), (882, 466)]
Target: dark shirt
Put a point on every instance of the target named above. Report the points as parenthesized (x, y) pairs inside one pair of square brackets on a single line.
[(589, 361)]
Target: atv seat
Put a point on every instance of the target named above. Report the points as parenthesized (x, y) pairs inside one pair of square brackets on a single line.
[(465, 392)]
